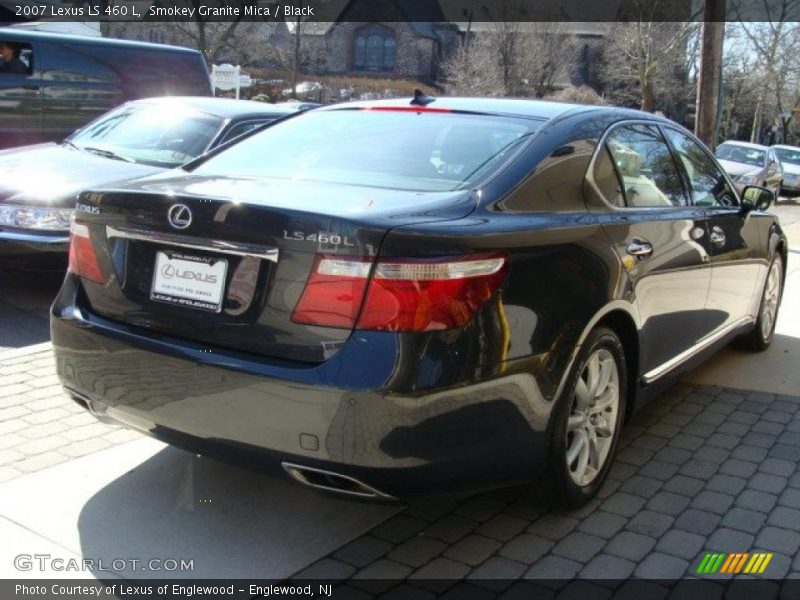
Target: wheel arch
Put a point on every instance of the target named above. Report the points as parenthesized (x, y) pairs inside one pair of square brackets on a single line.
[(623, 325), (622, 319)]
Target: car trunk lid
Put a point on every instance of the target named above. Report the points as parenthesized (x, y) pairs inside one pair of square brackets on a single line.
[(224, 262)]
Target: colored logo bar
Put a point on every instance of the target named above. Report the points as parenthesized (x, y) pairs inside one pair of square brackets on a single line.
[(731, 563)]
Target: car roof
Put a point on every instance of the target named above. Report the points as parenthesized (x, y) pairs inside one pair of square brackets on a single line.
[(14, 34), (223, 107), (786, 146), (744, 144), (537, 109)]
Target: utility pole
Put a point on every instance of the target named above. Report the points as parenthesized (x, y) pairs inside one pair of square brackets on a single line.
[(296, 57), (709, 81)]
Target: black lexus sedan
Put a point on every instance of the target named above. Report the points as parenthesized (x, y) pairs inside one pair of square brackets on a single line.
[(39, 183), (388, 298)]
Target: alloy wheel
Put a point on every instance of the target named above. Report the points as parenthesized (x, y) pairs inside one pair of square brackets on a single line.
[(593, 417), (772, 295)]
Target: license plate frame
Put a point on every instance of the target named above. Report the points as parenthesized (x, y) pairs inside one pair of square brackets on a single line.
[(181, 279)]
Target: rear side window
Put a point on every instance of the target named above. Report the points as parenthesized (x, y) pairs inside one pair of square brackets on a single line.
[(709, 186), (648, 173), (380, 148)]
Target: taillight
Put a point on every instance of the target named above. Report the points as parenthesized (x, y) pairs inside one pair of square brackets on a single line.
[(333, 293), (82, 257), (401, 295)]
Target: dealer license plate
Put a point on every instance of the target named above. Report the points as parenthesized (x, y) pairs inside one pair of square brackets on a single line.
[(193, 281)]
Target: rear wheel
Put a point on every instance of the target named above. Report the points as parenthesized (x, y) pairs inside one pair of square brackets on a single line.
[(588, 419), (763, 333)]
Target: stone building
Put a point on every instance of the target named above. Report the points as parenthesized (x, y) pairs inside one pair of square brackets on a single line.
[(398, 47), (351, 43)]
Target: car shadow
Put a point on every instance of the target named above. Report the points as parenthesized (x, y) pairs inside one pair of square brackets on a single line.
[(25, 305), (230, 522)]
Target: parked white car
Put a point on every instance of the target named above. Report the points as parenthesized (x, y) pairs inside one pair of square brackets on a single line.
[(790, 159), (751, 164)]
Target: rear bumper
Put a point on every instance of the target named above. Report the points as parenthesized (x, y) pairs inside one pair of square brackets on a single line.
[(19, 243), (481, 434)]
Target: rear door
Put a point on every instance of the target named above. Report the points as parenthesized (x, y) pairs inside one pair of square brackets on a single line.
[(658, 236), (733, 241)]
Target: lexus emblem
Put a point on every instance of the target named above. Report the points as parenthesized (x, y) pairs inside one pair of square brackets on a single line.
[(179, 216)]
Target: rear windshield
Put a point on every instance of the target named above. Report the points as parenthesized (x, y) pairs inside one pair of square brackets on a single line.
[(742, 154), (400, 150)]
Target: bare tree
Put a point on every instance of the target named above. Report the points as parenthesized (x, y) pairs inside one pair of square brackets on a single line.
[(294, 57), (577, 95), (510, 58), (474, 69), (776, 43), (647, 57), (740, 80), (215, 37), (546, 52)]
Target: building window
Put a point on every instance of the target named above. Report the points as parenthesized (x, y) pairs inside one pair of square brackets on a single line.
[(373, 49)]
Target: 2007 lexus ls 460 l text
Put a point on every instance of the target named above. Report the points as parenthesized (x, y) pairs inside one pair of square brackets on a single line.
[(388, 298)]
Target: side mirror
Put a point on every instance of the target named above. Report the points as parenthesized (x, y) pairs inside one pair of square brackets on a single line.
[(755, 197)]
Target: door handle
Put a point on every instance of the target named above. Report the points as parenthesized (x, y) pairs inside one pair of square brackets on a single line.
[(717, 237), (640, 248)]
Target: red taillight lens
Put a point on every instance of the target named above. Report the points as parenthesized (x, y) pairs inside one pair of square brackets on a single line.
[(333, 293), (82, 257), (402, 295)]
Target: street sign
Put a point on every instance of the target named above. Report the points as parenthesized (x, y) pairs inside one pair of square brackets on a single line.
[(228, 77)]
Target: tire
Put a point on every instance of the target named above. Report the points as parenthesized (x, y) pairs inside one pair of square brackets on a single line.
[(762, 334), (584, 438)]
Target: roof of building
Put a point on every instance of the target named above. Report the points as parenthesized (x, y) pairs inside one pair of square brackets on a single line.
[(464, 14)]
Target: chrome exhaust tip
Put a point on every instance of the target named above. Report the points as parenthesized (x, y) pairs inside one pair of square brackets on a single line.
[(89, 406), (329, 481)]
